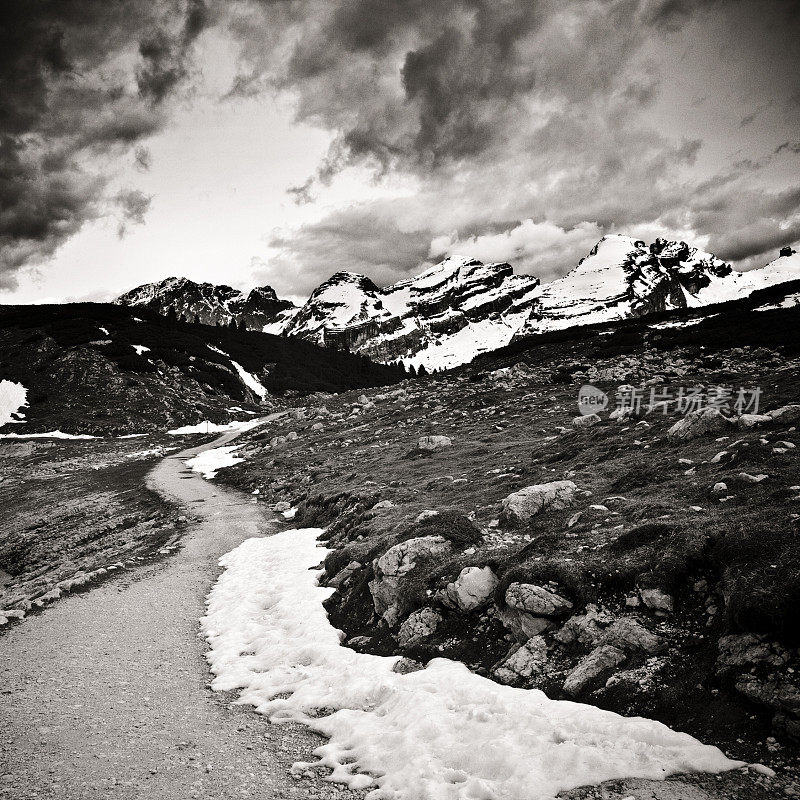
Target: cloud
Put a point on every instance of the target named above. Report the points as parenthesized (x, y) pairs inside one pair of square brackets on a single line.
[(539, 248), (83, 83), (133, 205)]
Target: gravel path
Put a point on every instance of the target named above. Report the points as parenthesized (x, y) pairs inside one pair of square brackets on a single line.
[(106, 693)]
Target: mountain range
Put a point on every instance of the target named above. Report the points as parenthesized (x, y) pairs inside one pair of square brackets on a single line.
[(461, 308)]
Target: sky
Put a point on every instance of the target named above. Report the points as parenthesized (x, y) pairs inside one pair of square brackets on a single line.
[(253, 142)]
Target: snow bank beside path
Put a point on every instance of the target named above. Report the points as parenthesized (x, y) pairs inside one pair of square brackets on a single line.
[(209, 461), (13, 397), (48, 435), (214, 427), (442, 733)]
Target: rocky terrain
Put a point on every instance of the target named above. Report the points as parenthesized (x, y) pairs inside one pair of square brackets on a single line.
[(109, 370), (643, 559), (461, 308)]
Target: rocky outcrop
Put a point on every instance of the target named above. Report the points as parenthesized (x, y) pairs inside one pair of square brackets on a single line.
[(702, 422), (520, 506)]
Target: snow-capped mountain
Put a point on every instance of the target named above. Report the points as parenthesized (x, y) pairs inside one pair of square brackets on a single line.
[(207, 303), (460, 308)]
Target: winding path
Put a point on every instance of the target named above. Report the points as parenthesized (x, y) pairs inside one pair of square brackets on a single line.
[(106, 693)]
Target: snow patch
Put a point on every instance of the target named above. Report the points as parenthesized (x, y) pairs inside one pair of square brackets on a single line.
[(439, 733), (210, 461), (214, 427), (247, 378), (140, 348), (48, 435), (13, 397)]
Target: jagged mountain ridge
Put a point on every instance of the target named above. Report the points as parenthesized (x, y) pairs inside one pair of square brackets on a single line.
[(207, 303), (461, 307)]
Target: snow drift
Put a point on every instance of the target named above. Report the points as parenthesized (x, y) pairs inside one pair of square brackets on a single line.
[(441, 732)]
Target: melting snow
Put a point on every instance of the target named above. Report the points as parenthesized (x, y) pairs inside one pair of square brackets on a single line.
[(214, 427), (140, 348), (13, 397), (48, 435), (209, 461), (247, 378), (439, 733)]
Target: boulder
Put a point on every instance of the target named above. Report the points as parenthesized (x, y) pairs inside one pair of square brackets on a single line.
[(472, 588), (585, 629), (419, 625), (785, 415), (521, 624), (699, 423), (657, 600), (317, 426), (434, 442), (524, 663), (344, 574), (393, 565), (536, 600), (586, 421), (742, 651), (752, 420), (520, 506), (593, 669), (630, 635), (405, 665)]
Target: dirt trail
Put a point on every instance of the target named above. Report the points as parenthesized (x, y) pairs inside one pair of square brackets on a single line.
[(106, 693)]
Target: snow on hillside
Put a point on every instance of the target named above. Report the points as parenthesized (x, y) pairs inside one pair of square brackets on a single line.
[(460, 308), (13, 397), (441, 732), (209, 462)]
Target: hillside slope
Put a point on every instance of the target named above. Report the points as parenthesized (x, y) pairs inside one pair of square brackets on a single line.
[(96, 368), (662, 578)]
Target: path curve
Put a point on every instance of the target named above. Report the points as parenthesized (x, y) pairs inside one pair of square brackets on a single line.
[(106, 693)]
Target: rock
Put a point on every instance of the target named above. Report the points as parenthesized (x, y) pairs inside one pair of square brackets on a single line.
[(536, 600), (521, 624), (344, 574), (393, 565), (472, 588), (419, 625), (752, 420), (719, 488), (524, 663), (281, 507), (317, 426), (593, 669), (383, 504), (699, 423), (742, 651), (586, 421), (785, 415), (775, 693), (520, 506), (585, 629), (297, 414), (359, 642), (405, 665), (363, 399), (434, 442), (630, 635), (277, 441), (291, 436), (747, 478), (656, 600)]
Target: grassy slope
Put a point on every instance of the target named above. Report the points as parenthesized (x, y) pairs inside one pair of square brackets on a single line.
[(732, 566)]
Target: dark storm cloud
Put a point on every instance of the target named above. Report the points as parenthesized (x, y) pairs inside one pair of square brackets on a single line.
[(350, 240), (65, 73), (505, 110)]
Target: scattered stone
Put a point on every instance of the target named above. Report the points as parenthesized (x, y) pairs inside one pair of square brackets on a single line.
[(630, 635), (593, 669), (472, 588), (747, 478), (419, 625), (344, 574), (699, 423), (746, 421), (785, 415), (520, 506), (524, 663), (521, 624), (536, 600), (720, 488), (405, 665), (434, 442), (586, 421), (657, 600)]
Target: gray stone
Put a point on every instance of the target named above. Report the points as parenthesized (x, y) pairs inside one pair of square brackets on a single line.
[(786, 415), (405, 665), (434, 442), (419, 625), (473, 588), (746, 421), (521, 624), (657, 600), (536, 600), (700, 423), (586, 421), (520, 506), (630, 635), (524, 663), (593, 669)]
